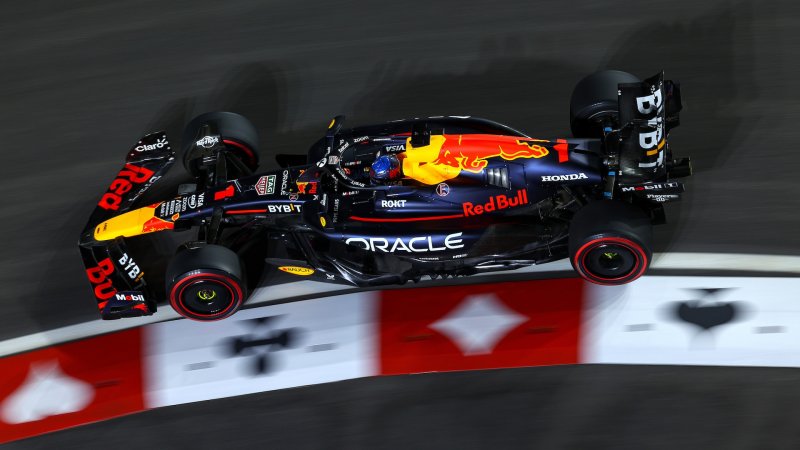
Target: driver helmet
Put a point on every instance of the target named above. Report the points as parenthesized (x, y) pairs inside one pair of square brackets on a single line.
[(385, 167)]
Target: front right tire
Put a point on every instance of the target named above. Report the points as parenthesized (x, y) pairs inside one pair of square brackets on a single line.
[(594, 102), (238, 134)]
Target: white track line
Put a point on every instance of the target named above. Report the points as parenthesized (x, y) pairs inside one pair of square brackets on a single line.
[(719, 262), (727, 262)]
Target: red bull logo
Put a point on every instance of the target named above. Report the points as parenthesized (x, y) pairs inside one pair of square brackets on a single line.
[(473, 157), (124, 182), (447, 155), (99, 277), (495, 203), (157, 224), (309, 187)]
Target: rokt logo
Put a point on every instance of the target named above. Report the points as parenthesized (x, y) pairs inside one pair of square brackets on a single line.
[(393, 203)]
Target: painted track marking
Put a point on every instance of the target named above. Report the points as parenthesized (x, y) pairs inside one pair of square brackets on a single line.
[(717, 262)]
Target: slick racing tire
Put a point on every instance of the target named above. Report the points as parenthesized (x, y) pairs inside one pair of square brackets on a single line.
[(238, 134), (593, 100), (205, 283), (610, 242)]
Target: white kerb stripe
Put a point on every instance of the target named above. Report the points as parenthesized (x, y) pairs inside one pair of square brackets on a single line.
[(665, 261)]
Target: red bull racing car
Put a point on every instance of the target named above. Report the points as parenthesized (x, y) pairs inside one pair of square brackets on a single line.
[(392, 203)]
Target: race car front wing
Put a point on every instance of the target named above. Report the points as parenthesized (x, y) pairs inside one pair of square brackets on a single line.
[(117, 279)]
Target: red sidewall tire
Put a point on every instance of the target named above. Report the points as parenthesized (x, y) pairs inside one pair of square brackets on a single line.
[(238, 134), (247, 155), (232, 285), (640, 255)]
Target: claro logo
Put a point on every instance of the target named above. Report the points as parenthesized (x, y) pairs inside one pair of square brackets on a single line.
[(126, 178), (161, 143), (419, 244)]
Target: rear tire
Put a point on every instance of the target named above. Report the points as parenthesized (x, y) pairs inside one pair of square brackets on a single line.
[(205, 283), (610, 242), (595, 99), (238, 134)]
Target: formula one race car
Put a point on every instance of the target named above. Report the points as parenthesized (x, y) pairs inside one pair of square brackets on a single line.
[(395, 202)]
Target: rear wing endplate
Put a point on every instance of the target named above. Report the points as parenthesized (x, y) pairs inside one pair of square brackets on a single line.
[(648, 110)]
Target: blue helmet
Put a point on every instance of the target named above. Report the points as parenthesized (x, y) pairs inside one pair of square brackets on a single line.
[(382, 167)]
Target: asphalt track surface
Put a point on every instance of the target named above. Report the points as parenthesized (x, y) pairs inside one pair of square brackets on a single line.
[(568, 407), (81, 81)]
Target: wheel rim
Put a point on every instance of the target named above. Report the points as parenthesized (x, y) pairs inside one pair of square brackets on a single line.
[(206, 296), (610, 260)]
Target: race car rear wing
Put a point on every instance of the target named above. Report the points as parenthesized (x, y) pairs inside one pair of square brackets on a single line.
[(117, 280), (638, 152)]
